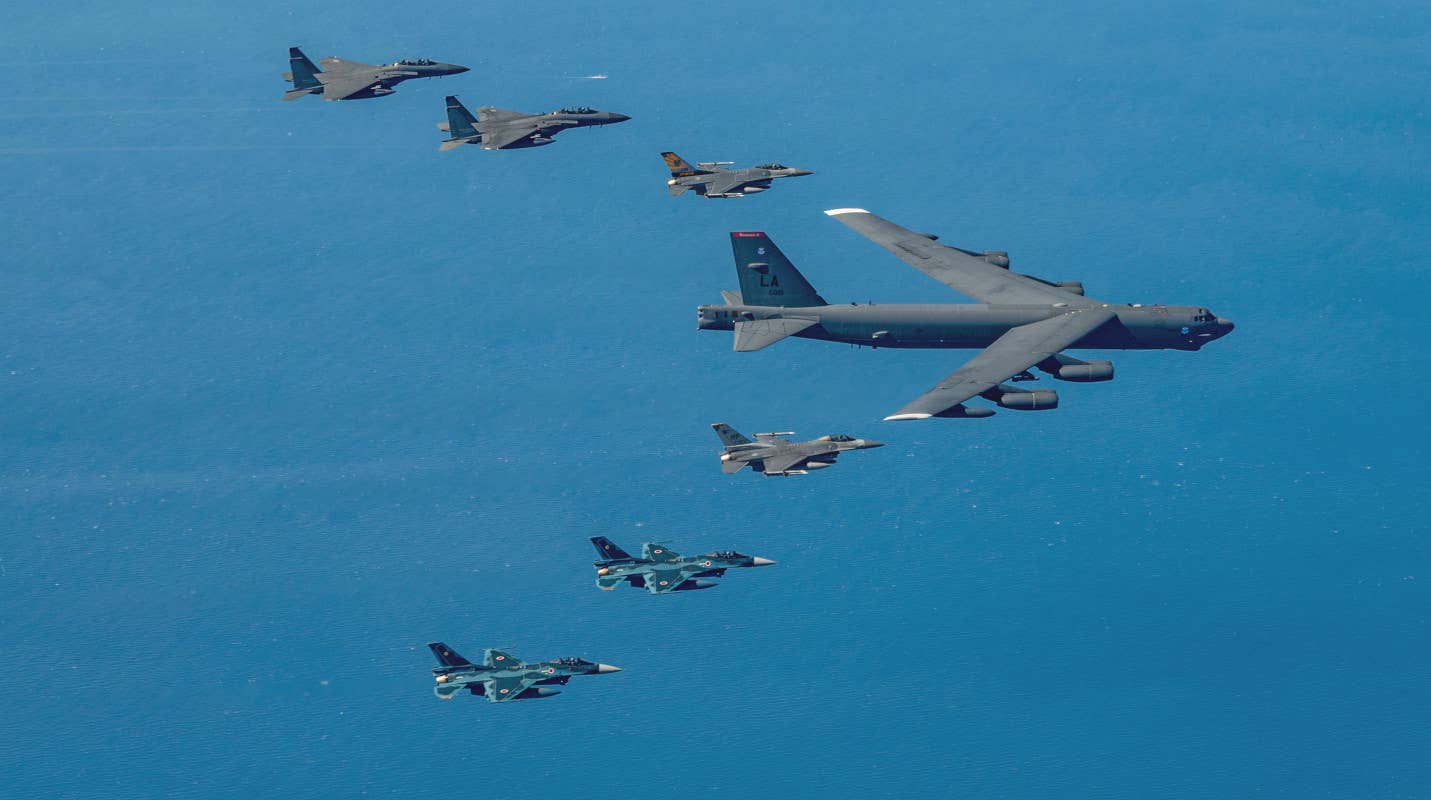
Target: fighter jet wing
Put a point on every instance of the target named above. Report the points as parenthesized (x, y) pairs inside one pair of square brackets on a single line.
[(1010, 354), (500, 689), (723, 183), (493, 114), (500, 136), (342, 86), (956, 269), (770, 437), (335, 64), (783, 463), (760, 333), (652, 551), (665, 580)]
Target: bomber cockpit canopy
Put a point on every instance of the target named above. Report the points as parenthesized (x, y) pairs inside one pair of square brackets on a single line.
[(417, 62), (772, 165), (577, 110), (837, 437), (1203, 315)]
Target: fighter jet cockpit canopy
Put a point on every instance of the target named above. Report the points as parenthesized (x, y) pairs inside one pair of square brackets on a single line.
[(837, 437), (572, 662), (727, 554), (417, 62), (577, 110), (772, 165)]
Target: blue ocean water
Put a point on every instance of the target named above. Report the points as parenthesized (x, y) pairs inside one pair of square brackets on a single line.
[(287, 394)]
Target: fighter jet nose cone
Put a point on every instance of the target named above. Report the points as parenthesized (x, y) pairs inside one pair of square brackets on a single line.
[(602, 668), (619, 118), (872, 443), (760, 562), (798, 172)]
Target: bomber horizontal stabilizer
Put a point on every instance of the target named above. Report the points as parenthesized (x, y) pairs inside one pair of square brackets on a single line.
[(756, 334)]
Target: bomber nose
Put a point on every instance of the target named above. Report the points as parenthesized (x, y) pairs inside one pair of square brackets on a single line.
[(1225, 323)]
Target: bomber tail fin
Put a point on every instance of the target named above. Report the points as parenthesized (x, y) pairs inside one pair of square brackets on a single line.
[(729, 436), (767, 278), (446, 656), (303, 74), (607, 548)]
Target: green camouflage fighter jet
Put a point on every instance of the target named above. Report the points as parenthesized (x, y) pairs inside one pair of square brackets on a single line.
[(503, 677), (772, 454), (662, 570)]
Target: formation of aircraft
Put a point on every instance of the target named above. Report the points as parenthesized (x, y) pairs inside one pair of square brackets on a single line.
[(660, 570), (712, 179), (1021, 322), (353, 80), (502, 677), (1018, 322), (498, 129), (771, 454)]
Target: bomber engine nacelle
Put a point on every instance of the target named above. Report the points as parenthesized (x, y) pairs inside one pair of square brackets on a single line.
[(1090, 372), (1036, 400)]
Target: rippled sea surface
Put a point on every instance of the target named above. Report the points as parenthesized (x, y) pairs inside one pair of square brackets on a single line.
[(286, 394)]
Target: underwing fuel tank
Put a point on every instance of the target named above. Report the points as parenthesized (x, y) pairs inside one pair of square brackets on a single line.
[(1037, 400), (538, 692)]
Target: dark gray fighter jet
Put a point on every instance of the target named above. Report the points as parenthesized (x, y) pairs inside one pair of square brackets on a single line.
[(502, 677), (771, 454), (495, 129), (1024, 322), (712, 179), (351, 80), (660, 570)]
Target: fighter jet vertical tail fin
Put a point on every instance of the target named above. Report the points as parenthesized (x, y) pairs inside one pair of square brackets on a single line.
[(460, 122), (607, 548), (680, 168), (729, 436), (303, 73), (446, 656), (767, 278)]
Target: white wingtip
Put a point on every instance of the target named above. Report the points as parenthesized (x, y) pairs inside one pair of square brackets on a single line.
[(835, 212), (898, 417)]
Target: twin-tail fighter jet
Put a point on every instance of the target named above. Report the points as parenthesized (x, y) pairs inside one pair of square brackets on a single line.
[(351, 80), (496, 129), (712, 179), (1022, 322), (771, 454), (660, 570), (502, 677)]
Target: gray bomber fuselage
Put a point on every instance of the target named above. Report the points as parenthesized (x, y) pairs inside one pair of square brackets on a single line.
[(951, 326)]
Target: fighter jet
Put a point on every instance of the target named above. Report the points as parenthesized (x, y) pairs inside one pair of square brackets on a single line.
[(712, 179), (495, 129), (502, 677), (771, 454), (351, 80), (661, 570), (1024, 322)]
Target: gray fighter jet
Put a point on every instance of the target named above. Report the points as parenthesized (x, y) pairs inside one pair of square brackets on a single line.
[(1025, 322), (712, 179), (660, 570), (502, 677), (771, 454), (351, 80), (495, 129)]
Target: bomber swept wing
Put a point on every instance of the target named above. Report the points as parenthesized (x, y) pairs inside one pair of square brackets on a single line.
[(1009, 355), (966, 274)]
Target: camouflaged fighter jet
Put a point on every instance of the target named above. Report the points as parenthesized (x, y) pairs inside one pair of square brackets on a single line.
[(495, 129), (772, 455), (660, 570), (351, 80), (712, 179), (502, 677), (1024, 322)]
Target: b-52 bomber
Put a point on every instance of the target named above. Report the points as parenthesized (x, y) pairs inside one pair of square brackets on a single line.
[(351, 80), (771, 454), (502, 677), (712, 179), (496, 129), (660, 570), (1024, 322)]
